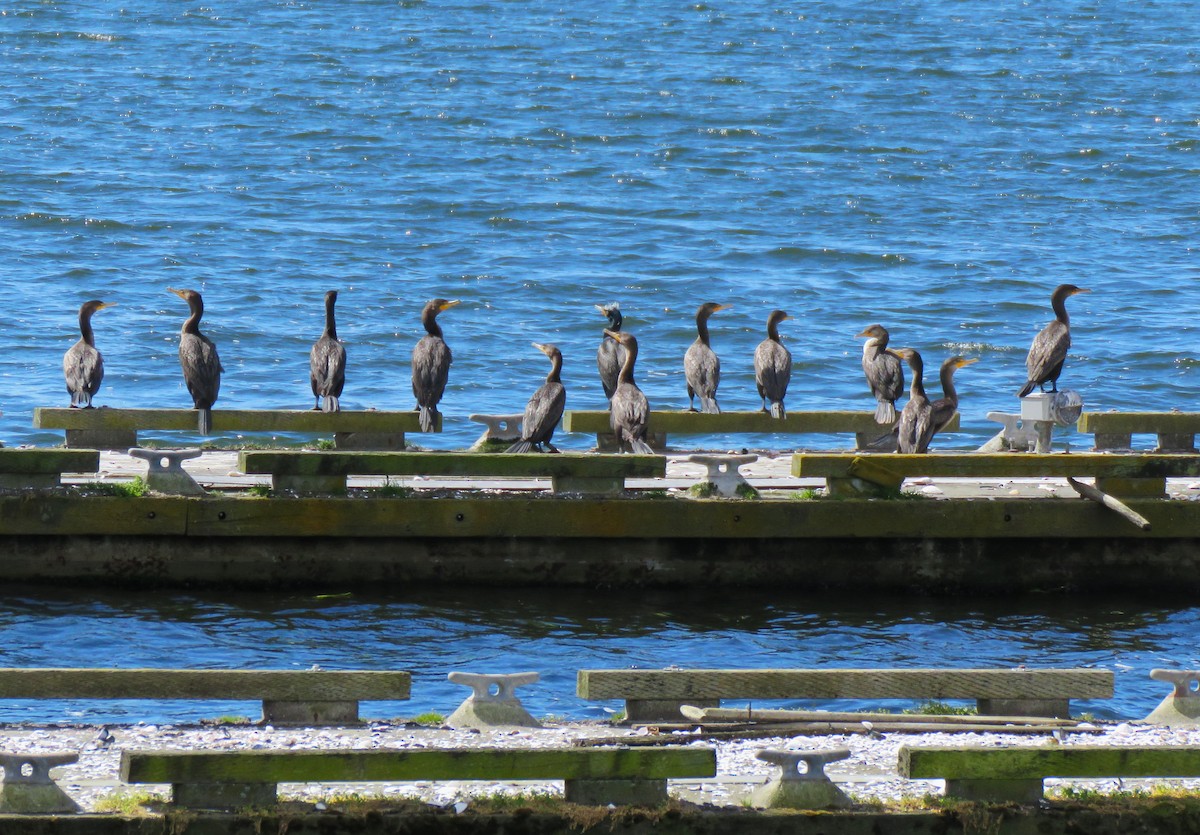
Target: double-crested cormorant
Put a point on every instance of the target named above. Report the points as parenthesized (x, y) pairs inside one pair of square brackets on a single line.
[(701, 367), (629, 410), (610, 355), (544, 408), (946, 405), (198, 358), (431, 364), (884, 373), (1050, 346), (82, 364), (327, 362), (915, 429), (773, 366)]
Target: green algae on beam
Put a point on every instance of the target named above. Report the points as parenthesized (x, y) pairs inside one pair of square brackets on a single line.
[(1139, 423), (229, 420), (53, 460), (417, 764), (535, 465), (598, 685), (278, 685), (1002, 465), (1017, 763)]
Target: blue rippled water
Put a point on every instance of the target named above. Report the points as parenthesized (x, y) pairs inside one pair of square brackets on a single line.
[(557, 632), (937, 166)]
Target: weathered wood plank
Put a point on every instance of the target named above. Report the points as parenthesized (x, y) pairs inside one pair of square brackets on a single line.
[(697, 423), (843, 684), (384, 765), (642, 520), (1004, 465), (229, 420), (49, 461), (535, 465), (275, 685), (651, 519), (1018, 762), (59, 515), (1140, 423)]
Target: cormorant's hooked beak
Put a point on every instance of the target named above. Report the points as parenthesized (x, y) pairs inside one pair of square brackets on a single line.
[(177, 292), (721, 307), (103, 305), (964, 362), (447, 305), (1079, 290), (865, 333)]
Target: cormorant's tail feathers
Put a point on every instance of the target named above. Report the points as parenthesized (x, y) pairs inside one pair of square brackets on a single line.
[(640, 447), (205, 421), (777, 410), (708, 405), (521, 446), (885, 412), (1025, 389), (428, 418), (331, 404)]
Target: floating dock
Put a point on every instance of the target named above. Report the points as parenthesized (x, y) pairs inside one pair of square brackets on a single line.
[(947, 536)]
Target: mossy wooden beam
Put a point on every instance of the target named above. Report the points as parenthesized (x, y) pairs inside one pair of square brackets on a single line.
[(698, 423), (521, 516), (49, 461), (417, 764), (527, 465), (60, 515), (276, 685), (43, 468), (229, 420), (844, 684), (1026, 762), (1140, 423), (1003, 465)]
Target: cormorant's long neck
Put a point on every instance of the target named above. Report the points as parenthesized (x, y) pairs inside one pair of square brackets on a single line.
[(702, 327), (555, 375), (1059, 303), (626, 375), (85, 326), (948, 391), (192, 325), (429, 320), (917, 389), (330, 324), (773, 330)]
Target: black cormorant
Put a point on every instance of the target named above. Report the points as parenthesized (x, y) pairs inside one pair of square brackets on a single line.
[(1050, 346), (82, 364), (198, 358), (701, 367), (629, 410), (327, 362), (431, 364), (946, 405), (773, 366), (884, 373), (915, 428), (544, 408), (610, 355)]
